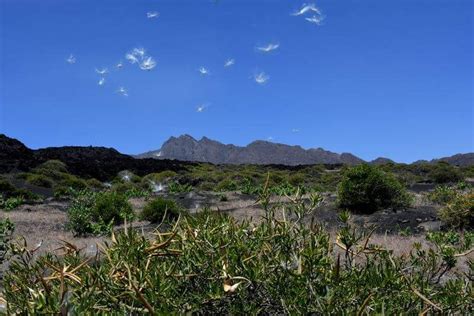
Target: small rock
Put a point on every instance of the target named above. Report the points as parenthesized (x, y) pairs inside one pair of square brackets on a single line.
[(419, 220)]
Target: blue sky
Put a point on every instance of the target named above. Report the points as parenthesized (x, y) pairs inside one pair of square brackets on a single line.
[(377, 78)]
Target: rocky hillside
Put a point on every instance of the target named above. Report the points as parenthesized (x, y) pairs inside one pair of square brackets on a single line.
[(187, 148), (88, 162)]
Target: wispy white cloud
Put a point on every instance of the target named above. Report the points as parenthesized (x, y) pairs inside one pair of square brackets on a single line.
[(261, 78), (268, 48), (119, 65), (152, 14), (101, 81), (307, 7), (102, 71), (201, 108), (131, 58), (148, 63), (295, 130), (122, 91), (229, 62), (203, 71), (71, 59), (139, 51), (315, 19)]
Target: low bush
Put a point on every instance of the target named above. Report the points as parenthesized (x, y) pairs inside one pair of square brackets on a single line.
[(11, 203), (94, 184), (211, 263), (6, 231), (112, 207), (53, 165), (40, 180), (6, 188), (459, 212), (366, 189), (159, 177), (445, 173), (176, 187), (226, 185), (160, 209), (443, 194), (95, 213)]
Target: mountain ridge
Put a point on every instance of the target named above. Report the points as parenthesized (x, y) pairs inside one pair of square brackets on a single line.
[(187, 148)]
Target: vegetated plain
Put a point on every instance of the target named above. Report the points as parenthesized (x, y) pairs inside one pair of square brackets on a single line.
[(203, 238)]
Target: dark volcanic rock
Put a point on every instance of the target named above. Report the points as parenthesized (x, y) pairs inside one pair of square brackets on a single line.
[(88, 162), (260, 152), (14, 155)]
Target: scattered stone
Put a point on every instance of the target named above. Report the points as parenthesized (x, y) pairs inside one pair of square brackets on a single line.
[(430, 226)]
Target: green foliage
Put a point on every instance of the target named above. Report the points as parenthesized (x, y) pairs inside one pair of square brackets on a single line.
[(452, 238), (445, 173), (212, 264), (40, 180), (176, 187), (94, 184), (223, 197), (6, 188), (53, 165), (112, 207), (159, 210), (443, 194), (226, 185), (159, 177), (366, 188), (459, 212), (80, 218), (11, 203), (92, 213), (6, 231)]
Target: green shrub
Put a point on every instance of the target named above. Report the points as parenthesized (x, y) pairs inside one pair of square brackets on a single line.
[(6, 188), (11, 203), (96, 212), (210, 263), (94, 184), (159, 177), (226, 185), (176, 187), (122, 188), (72, 182), (156, 209), (112, 207), (459, 212), (296, 179), (445, 173), (55, 165), (443, 194), (40, 180), (6, 231), (80, 218), (366, 188)]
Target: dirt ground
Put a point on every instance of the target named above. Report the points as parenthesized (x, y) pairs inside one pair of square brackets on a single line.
[(45, 223)]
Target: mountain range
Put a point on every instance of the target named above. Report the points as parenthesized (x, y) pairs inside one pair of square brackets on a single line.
[(187, 148)]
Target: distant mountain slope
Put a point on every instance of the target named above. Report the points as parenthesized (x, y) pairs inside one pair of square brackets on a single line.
[(187, 148), (458, 159)]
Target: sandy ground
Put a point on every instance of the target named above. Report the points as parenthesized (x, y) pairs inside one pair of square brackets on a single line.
[(46, 223)]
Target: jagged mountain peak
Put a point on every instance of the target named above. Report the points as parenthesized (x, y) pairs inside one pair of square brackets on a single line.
[(186, 147)]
